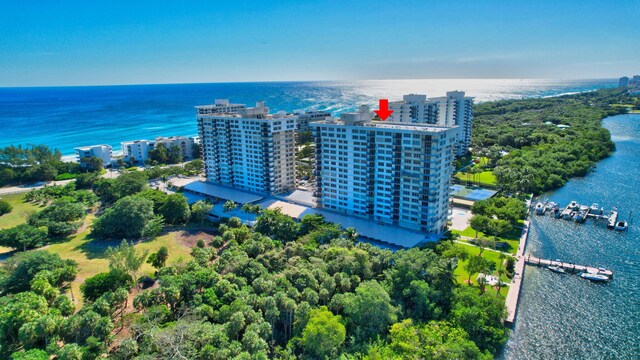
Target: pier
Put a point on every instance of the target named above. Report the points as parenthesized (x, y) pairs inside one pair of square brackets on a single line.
[(567, 266)]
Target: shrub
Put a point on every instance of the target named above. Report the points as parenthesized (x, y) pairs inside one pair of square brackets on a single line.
[(97, 285), (5, 207)]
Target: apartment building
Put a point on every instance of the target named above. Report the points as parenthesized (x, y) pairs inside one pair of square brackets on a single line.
[(184, 143), (247, 147), (454, 109), (395, 173), (138, 150), (103, 152)]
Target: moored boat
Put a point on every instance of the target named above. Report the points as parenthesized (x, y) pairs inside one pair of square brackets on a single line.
[(613, 219), (621, 225), (540, 209), (595, 209), (556, 269), (594, 277), (581, 215), (573, 205)]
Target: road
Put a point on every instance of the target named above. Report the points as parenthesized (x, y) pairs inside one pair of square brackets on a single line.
[(110, 174)]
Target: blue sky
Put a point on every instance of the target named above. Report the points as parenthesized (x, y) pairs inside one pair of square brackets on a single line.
[(128, 42)]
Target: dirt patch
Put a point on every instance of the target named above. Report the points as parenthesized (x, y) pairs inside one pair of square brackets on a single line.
[(190, 237)]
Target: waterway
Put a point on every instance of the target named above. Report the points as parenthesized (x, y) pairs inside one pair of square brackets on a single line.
[(564, 316)]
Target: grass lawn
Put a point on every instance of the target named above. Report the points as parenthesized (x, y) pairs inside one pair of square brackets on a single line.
[(512, 237), (485, 177), (462, 275), (89, 254), (20, 212)]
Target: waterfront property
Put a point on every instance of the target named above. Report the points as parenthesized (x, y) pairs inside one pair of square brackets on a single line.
[(102, 152), (137, 150), (184, 143), (393, 173), (247, 147)]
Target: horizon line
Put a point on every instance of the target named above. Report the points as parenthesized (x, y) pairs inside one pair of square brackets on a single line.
[(287, 81)]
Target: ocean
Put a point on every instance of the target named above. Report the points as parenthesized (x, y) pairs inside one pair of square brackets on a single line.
[(564, 316), (67, 117)]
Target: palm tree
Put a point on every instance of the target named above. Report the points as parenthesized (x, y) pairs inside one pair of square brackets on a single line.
[(500, 273), (229, 206), (351, 234)]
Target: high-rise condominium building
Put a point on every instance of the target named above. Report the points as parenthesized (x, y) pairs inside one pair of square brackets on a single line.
[(246, 147), (624, 82), (391, 172), (454, 109)]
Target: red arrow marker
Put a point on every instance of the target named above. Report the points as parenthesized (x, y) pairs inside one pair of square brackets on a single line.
[(384, 111)]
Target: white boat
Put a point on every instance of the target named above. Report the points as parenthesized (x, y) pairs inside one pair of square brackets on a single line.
[(621, 225), (540, 209), (556, 269), (594, 277), (574, 205), (613, 219), (581, 216), (596, 209)]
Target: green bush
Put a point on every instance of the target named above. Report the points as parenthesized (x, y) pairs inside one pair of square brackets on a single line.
[(5, 207), (97, 285)]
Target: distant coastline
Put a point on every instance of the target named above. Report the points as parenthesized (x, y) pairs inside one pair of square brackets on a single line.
[(61, 117)]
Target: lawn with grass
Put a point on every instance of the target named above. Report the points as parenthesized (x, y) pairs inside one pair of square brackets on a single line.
[(21, 210), (512, 237), (90, 254), (483, 178), (462, 275)]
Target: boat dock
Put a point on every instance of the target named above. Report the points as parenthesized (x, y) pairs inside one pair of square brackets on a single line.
[(567, 266), (580, 213)]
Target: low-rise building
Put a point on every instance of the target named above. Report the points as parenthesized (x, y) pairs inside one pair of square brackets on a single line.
[(103, 152), (136, 150), (183, 142)]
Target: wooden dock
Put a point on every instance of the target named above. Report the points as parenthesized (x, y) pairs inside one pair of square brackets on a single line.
[(567, 266), (513, 296)]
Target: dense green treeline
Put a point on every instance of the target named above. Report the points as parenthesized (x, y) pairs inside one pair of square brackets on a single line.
[(538, 144), (314, 295)]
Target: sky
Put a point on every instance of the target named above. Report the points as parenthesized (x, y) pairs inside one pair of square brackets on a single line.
[(51, 43)]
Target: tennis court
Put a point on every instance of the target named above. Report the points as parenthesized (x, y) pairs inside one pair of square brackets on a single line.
[(466, 193)]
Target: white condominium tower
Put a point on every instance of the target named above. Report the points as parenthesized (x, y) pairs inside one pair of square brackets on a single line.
[(394, 173), (454, 109), (248, 148)]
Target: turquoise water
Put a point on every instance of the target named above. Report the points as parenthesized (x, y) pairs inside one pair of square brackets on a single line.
[(67, 117), (564, 316)]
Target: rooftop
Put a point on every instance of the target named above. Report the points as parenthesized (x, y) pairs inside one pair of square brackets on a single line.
[(222, 192), (89, 147), (389, 125)]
